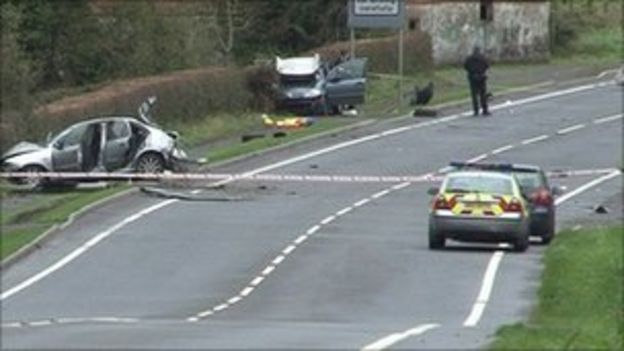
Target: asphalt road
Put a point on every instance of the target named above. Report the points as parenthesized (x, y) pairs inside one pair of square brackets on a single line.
[(313, 265)]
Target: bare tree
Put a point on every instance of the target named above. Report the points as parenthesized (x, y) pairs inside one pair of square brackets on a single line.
[(229, 18)]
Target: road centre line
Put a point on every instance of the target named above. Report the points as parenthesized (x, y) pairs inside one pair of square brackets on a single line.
[(301, 239), (268, 270), (344, 211), (478, 158), (288, 250), (313, 230), (570, 129), (608, 118), (392, 339), (248, 290), (256, 281), (490, 275), (101, 236), (361, 203), (502, 149), (278, 259), (535, 140), (328, 220)]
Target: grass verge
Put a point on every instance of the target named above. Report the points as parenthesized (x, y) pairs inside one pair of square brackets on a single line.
[(27, 223), (580, 299)]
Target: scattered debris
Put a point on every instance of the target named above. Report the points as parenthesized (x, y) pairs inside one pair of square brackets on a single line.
[(601, 209), (170, 194), (422, 112), (248, 137)]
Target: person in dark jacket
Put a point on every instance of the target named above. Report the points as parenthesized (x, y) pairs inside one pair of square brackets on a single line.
[(477, 65)]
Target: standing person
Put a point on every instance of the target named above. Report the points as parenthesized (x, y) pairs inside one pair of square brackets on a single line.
[(477, 65)]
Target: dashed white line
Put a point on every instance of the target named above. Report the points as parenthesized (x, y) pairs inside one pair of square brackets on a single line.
[(380, 194), (328, 220), (301, 239), (40, 323), (289, 249), (535, 140), (234, 300), (401, 186), (313, 229), (344, 211), (268, 270), (478, 158), (205, 314), (248, 290), (608, 119), (221, 307), (392, 339), (570, 129), (278, 260), (502, 149), (361, 203), (256, 281)]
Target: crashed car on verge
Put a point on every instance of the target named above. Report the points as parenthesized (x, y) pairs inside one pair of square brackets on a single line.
[(106, 144), (307, 84)]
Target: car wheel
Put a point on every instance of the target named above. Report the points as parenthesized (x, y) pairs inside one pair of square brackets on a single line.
[(436, 240), (31, 183), (150, 163), (548, 236), (521, 244)]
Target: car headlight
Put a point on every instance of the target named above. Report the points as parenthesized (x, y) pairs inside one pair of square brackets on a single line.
[(312, 93)]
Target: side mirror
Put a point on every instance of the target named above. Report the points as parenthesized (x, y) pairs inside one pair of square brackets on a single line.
[(558, 190), (58, 145), (433, 191)]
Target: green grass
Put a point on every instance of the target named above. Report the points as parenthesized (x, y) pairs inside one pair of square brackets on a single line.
[(580, 299), (324, 124)]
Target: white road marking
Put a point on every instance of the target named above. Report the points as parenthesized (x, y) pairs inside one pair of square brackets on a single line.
[(490, 273), (256, 281), (328, 220), (380, 194), (478, 158), (301, 239), (608, 119), (392, 339), (361, 203), (570, 129), (606, 72), (40, 323), (486, 289), (502, 149), (401, 186), (535, 140), (80, 250), (289, 249), (585, 187), (278, 260), (248, 290), (344, 211), (221, 307), (234, 300), (268, 270), (206, 314), (313, 229)]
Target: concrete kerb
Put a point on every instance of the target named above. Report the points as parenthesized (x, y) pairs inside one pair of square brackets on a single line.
[(56, 228)]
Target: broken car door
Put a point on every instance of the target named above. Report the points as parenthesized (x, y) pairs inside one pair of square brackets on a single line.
[(346, 83), (117, 147), (66, 151)]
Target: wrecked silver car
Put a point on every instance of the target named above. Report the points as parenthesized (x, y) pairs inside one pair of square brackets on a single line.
[(107, 144)]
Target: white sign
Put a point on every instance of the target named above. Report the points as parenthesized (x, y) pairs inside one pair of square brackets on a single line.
[(376, 7)]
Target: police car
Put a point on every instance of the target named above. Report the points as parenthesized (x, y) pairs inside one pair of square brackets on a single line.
[(484, 205)]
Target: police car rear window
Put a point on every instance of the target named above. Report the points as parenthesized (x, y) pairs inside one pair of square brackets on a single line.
[(478, 184)]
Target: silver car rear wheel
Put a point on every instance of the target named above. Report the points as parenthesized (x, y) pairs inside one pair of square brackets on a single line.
[(30, 182), (150, 163)]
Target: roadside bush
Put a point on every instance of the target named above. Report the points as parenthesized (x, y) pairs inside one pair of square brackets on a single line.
[(260, 82), (182, 96)]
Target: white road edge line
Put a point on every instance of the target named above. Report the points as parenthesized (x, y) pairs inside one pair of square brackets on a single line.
[(490, 274), (392, 339), (478, 158)]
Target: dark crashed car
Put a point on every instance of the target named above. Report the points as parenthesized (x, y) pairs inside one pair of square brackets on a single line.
[(107, 144)]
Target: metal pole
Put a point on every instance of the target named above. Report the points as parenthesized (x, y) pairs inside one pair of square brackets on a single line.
[(352, 42), (400, 67)]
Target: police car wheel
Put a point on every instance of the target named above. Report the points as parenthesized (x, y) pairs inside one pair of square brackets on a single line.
[(521, 244), (436, 240)]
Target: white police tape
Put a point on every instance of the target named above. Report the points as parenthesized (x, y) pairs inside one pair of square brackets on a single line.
[(106, 176)]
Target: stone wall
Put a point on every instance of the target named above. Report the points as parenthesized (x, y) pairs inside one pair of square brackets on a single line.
[(518, 31)]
